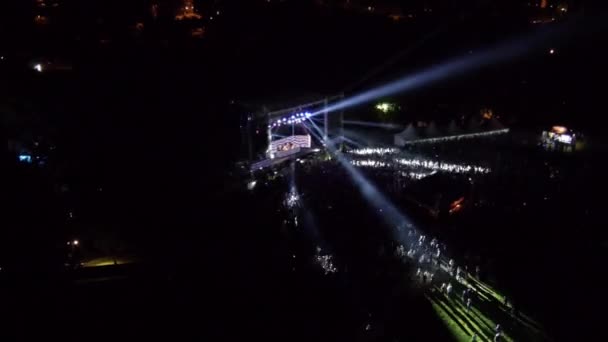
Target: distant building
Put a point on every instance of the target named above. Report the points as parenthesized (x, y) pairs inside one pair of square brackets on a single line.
[(187, 12)]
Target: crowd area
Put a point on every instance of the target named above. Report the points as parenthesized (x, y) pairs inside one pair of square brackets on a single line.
[(486, 251), (456, 287)]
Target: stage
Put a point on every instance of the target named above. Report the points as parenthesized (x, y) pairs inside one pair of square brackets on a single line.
[(297, 153)]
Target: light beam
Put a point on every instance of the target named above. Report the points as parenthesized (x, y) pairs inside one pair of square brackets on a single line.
[(373, 124), (382, 205), (460, 65)]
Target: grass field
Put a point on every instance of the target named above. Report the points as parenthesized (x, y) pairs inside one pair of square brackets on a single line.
[(488, 310)]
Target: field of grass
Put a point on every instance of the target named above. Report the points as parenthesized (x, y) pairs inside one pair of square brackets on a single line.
[(488, 310)]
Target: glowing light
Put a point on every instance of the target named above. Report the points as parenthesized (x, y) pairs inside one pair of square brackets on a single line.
[(292, 199), (559, 129), (564, 138), (25, 158), (38, 67), (552, 51), (417, 175), (251, 185), (75, 242), (385, 107), (371, 163), (456, 205), (326, 262)]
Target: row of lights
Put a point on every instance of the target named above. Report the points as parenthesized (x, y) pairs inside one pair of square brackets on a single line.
[(293, 119), (458, 137)]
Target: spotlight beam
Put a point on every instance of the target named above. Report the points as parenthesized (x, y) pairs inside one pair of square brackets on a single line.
[(372, 124), (349, 140), (362, 137), (314, 132), (463, 64), (382, 205)]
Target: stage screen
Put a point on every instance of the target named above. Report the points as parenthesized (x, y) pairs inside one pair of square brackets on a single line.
[(290, 144)]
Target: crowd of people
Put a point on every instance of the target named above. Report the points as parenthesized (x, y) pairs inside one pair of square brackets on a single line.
[(437, 272)]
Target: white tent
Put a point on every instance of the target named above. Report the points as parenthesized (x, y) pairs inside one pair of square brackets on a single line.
[(408, 134)]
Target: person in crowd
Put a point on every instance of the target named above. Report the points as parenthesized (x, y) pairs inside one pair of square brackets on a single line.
[(474, 337), (448, 289), (468, 304), (442, 289)]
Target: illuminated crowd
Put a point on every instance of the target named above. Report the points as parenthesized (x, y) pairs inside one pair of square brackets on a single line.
[(374, 151), (441, 274), (419, 163), (431, 263), (441, 166), (325, 261)]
